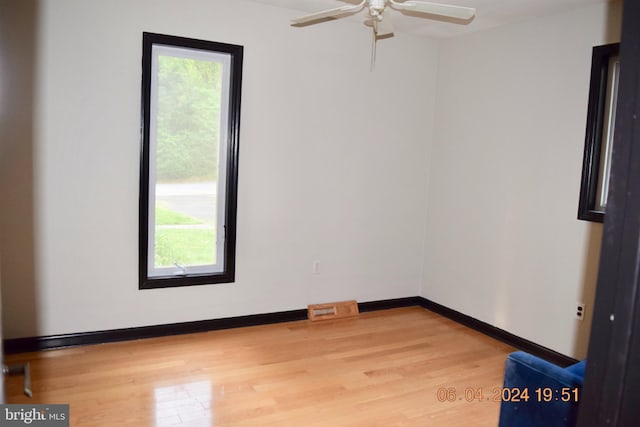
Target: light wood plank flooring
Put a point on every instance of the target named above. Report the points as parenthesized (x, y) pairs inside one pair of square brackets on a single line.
[(384, 368)]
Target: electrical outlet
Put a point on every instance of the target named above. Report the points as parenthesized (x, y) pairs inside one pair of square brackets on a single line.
[(580, 311), (316, 267)]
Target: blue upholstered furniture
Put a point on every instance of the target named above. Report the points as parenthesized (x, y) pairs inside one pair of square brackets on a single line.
[(551, 391)]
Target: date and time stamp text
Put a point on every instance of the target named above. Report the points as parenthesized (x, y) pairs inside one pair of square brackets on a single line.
[(505, 394)]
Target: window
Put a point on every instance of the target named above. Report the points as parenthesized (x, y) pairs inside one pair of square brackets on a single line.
[(189, 161), (601, 116)]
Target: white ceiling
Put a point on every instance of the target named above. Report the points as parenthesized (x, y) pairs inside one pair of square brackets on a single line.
[(489, 13)]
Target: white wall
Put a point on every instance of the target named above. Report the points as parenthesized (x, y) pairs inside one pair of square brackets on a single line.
[(503, 244), (331, 166)]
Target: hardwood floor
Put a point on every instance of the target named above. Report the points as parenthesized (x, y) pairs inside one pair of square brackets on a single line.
[(384, 368)]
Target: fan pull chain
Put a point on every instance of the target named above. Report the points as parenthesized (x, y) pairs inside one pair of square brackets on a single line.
[(374, 42)]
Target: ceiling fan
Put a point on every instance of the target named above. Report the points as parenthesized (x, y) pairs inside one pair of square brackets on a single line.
[(379, 18)]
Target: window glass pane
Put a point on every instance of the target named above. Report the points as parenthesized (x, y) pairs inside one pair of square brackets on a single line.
[(187, 145), (608, 134)]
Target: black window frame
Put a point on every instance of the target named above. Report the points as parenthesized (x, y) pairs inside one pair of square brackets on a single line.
[(235, 95), (591, 163)]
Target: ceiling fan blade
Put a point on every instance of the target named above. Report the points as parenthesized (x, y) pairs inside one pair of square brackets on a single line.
[(383, 27), (331, 13), (447, 10)]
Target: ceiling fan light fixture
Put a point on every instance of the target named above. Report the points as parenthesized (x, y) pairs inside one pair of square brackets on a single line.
[(376, 7), (379, 19)]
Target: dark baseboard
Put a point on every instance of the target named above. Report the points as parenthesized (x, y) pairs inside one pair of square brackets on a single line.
[(23, 345), (499, 334), (389, 303)]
